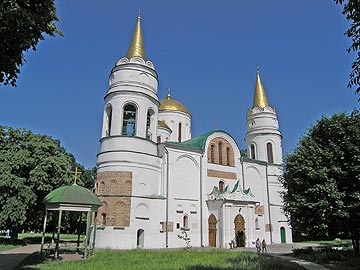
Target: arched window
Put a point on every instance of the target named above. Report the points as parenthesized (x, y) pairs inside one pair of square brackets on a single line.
[(149, 120), (102, 187), (186, 222), (270, 155), (212, 153), (108, 120), (129, 120), (252, 151), (256, 223), (179, 132), (103, 219), (228, 156), (158, 139), (221, 186), (220, 153)]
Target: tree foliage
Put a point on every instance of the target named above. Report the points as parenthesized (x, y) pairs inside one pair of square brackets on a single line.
[(31, 166), (22, 24), (352, 12), (322, 179)]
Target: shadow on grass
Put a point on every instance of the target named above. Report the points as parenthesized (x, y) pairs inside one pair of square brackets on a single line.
[(341, 257), (9, 241), (250, 262)]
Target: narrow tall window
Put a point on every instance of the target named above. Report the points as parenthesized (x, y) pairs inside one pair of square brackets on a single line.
[(185, 222), (129, 120), (220, 153), (227, 156), (179, 134), (108, 120), (212, 153), (148, 125), (158, 139), (103, 219), (252, 151), (221, 186), (270, 155)]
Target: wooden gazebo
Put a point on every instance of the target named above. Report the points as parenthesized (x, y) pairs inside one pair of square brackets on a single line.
[(71, 198)]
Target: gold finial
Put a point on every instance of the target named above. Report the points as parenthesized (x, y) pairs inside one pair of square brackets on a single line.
[(75, 175), (139, 13), (136, 47), (260, 99), (168, 97)]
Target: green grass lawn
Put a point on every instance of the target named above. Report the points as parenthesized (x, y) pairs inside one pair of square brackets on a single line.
[(171, 260)]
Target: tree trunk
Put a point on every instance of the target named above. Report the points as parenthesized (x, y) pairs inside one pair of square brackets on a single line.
[(356, 240), (14, 233)]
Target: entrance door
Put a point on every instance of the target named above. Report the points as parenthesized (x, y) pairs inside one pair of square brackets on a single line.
[(140, 238), (212, 230), (283, 235), (239, 227)]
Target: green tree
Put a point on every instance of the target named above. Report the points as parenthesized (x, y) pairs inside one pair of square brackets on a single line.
[(31, 166), (322, 180), (352, 12), (22, 24)]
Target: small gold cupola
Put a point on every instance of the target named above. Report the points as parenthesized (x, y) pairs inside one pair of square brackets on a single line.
[(136, 47), (260, 99)]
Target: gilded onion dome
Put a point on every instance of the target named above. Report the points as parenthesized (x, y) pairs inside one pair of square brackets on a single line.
[(169, 104)]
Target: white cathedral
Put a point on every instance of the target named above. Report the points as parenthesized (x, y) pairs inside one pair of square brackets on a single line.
[(156, 182)]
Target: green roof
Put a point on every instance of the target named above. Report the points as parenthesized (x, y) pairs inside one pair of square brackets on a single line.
[(73, 194), (197, 142)]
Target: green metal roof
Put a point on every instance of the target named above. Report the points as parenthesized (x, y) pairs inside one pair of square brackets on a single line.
[(73, 194), (197, 142)]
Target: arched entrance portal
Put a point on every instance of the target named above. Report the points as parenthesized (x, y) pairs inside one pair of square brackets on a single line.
[(140, 238), (212, 230), (239, 228), (283, 235)]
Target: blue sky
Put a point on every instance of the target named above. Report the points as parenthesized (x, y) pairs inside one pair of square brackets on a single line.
[(206, 51)]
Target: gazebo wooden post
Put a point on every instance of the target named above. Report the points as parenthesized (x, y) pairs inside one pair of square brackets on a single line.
[(58, 236), (43, 234), (94, 233), (79, 232), (88, 217)]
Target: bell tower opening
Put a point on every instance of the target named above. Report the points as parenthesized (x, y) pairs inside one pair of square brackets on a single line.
[(129, 120)]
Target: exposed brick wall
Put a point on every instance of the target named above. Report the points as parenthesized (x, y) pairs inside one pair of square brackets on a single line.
[(114, 190), (227, 155), (221, 174)]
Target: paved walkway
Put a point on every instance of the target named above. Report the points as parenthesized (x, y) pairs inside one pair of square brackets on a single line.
[(10, 259), (279, 251)]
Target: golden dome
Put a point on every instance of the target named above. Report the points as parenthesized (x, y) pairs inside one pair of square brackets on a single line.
[(169, 104)]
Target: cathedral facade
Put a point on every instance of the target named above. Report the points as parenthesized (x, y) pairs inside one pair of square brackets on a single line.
[(156, 181)]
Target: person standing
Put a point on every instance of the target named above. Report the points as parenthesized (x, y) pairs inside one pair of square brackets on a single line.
[(258, 245), (263, 245)]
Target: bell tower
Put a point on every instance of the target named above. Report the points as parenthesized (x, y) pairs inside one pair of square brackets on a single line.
[(131, 102), (128, 166), (263, 137)]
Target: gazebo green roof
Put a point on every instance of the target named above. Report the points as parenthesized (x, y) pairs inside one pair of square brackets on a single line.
[(73, 194)]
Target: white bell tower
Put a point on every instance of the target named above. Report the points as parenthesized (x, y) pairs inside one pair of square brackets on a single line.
[(263, 137)]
